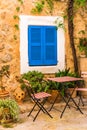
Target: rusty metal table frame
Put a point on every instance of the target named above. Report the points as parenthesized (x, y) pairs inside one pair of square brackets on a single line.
[(65, 79)]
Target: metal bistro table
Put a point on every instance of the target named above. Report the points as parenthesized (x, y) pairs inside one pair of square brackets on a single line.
[(64, 80)]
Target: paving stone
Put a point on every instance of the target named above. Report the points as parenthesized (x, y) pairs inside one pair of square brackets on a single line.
[(71, 120)]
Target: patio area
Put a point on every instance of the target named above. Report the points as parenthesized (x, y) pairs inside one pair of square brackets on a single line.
[(71, 120)]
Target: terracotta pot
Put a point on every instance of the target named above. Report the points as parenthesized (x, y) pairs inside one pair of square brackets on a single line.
[(8, 120), (69, 90), (4, 94), (19, 95), (54, 94)]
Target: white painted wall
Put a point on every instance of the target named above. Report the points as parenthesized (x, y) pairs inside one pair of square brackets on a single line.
[(26, 20)]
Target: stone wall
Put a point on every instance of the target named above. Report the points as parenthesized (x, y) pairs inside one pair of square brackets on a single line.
[(10, 33)]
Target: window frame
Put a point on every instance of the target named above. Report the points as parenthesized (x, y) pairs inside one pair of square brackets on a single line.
[(25, 21)]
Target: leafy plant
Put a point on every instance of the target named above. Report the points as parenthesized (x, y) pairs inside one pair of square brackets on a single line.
[(59, 24), (3, 72), (17, 9), (80, 3), (9, 109), (36, 80), (16, 26), (66, 72), (63, 87), (15, 37), (83, 45), (21, 1), (38, 7), (16, 17), (81, 32), (50, 4)]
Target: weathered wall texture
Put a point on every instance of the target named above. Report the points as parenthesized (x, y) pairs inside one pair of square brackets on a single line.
[(10, 34)]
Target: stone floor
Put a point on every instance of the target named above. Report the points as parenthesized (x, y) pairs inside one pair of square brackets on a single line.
[(71, 120)]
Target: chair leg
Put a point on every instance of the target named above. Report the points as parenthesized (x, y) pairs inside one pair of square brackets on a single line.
[(36, 103), (76, 105), (41, 107), (80, 100), (32, 110)]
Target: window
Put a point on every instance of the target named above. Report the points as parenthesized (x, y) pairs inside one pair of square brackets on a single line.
[(44, 50), (42, 45)]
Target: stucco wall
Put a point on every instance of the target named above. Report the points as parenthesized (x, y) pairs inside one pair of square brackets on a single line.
[(10, 34)]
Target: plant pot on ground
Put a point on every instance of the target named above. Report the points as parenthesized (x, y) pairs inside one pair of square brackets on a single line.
[(54, 94), (63, 86), (4, 72), (53, 90), (9, 110), (36, 80)]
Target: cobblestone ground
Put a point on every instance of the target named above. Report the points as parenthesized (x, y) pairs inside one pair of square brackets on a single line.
[(71, 120)]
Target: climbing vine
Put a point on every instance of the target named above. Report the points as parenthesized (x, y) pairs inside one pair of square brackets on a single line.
[(51, 5), (39, 6), (16, 17), (80, 3)]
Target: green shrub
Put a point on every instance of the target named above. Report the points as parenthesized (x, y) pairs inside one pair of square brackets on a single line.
[(63, 86), (9, 109), (36, 80)]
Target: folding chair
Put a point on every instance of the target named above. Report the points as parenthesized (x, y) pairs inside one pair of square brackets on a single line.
[(38, 98), (84, 75), (80, 95)]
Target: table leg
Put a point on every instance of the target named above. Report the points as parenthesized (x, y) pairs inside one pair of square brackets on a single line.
[(53, 102), (64, 108), (56, 99), (70, 98)]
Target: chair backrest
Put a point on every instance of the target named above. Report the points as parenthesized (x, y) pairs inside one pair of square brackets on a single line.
[(29, 88)]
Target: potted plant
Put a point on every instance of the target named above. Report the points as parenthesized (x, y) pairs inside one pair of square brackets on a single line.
[(3, 72), (9, 110), (83, 46), (36, 80), (66, 86)]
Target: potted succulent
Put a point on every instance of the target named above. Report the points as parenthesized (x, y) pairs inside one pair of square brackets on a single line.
[(3, 72), (9, 110)]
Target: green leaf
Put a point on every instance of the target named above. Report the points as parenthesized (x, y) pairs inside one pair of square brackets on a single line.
[(17, 9), (16, 26)]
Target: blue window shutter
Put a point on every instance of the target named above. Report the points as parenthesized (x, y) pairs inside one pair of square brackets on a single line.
[(42, 45), (34, 45), (50, 45)]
